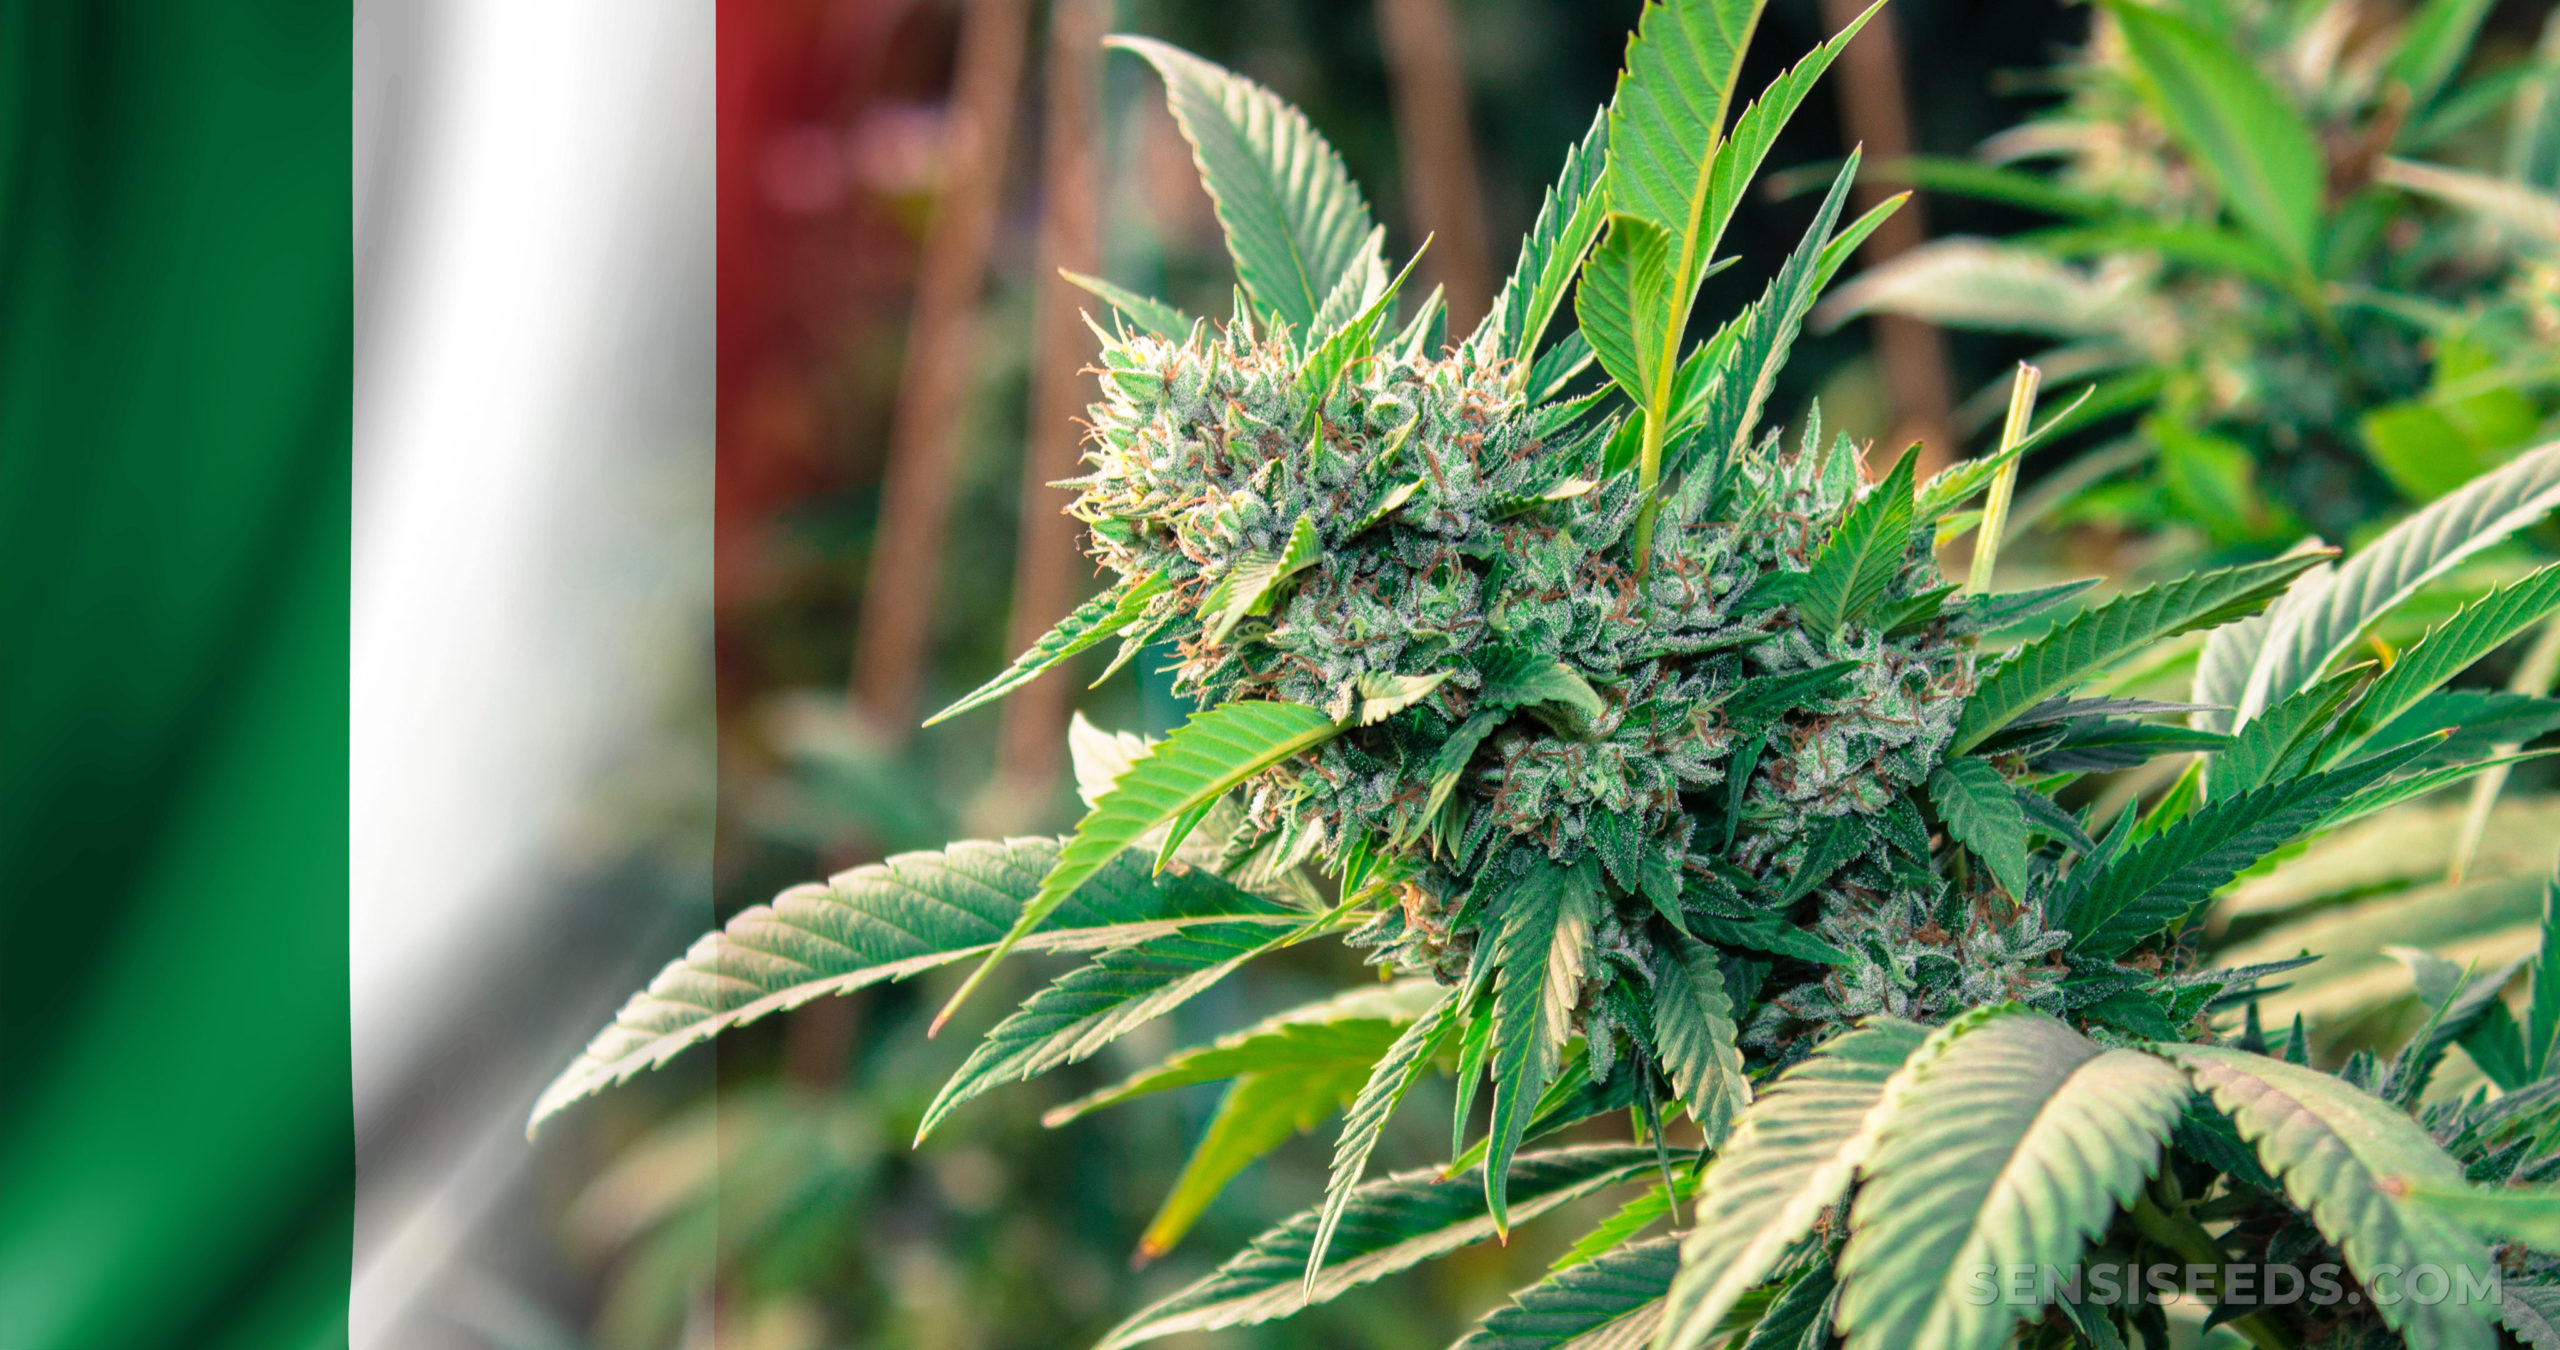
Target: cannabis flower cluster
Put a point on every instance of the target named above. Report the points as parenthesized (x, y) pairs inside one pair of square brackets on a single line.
[(1406, 544)]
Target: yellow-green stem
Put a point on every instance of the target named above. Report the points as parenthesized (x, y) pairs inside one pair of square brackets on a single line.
[(1648, 477), (1995, 508)]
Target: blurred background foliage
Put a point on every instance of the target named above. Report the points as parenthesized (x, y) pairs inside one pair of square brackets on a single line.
[(899, 373)]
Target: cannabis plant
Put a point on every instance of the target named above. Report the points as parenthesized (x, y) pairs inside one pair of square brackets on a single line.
[(1645, 751), (2269, 245)]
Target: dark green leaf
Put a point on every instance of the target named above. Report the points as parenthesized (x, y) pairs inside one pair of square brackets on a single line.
[(1693, 1036), (1619, 1292), (1390, 1079), (1981, 811), (1542, 947), (1866, 552)]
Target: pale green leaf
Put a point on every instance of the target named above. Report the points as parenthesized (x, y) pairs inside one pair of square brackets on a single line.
[(1612, 1300), (1089, 623), (1793, 1154), (1693, 1036), (1154, 316), (1383, 696), (886, 921), (1355, 1026), (1214, 751), (1981, 811), (2015, 1149), (2447, 650), (2095, 637), (1260, 1112), (2526, 1214), (1667, 118), (1625, 307), (1542, 948), (2324, 616), (1295, 223), (1390, 1078), (2347, 1160), (1388, 1225), (1091, 1007)]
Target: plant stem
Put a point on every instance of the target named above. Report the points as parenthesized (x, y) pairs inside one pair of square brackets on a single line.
[(2180, 1233), (1995, 509), (1648, 477)]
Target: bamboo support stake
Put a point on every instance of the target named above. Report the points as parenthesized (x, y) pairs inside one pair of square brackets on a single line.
[(898, 600), (2004, 484), (1046, 561), (1441, 189), (1876, 113)]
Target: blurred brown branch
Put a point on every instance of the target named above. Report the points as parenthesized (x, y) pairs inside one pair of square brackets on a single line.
[(899, 597), (1438, 151), (1047, 563), (1911, 355)]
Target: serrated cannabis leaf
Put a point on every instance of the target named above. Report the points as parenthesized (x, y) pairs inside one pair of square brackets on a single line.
[(1260, 1112), (1198, 763), (1552, 253), (1624, 305), (1764, 336), (1089, 623), (1356, 1025), (1155, 316), (1390, 1078), (2017, 1146), (2324, 616), (2097, 636), (1864, 555), (1981, 811), (1542, 948), (1096, 1005), (1793, 1154), (1294, 221), (1515, 677), (886, 921), (1693, 1036), (2169, 876), (1388, 1225), (2447, 650), (1617, 1295), (2348, 1160)]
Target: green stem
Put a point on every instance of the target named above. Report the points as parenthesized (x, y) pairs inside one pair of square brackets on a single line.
[(1648, 477), (2180, 1233), (1995, 508)]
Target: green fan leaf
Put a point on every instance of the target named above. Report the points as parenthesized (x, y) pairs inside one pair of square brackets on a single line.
[(1981, 811), (1625, 305), (886, 921), (1390, 1078), (2166, 878), (1766, 333), (2015, 1149), (1295, 222), (1612, 1300), (2097, 636), (1155, 316), (1355, 1026), (1568, 220), (2348, 1160), (2280, 742), (1863, 556), (2237, 127), (1089, 623), (2447, 650), (1542, 948), (2325, 616), (1789, 1159), (1667, 119), (1260, 1112), (1390, 1224), (1096, 1005), (1198, 763), (2529, 1214), (1693, 1036)]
